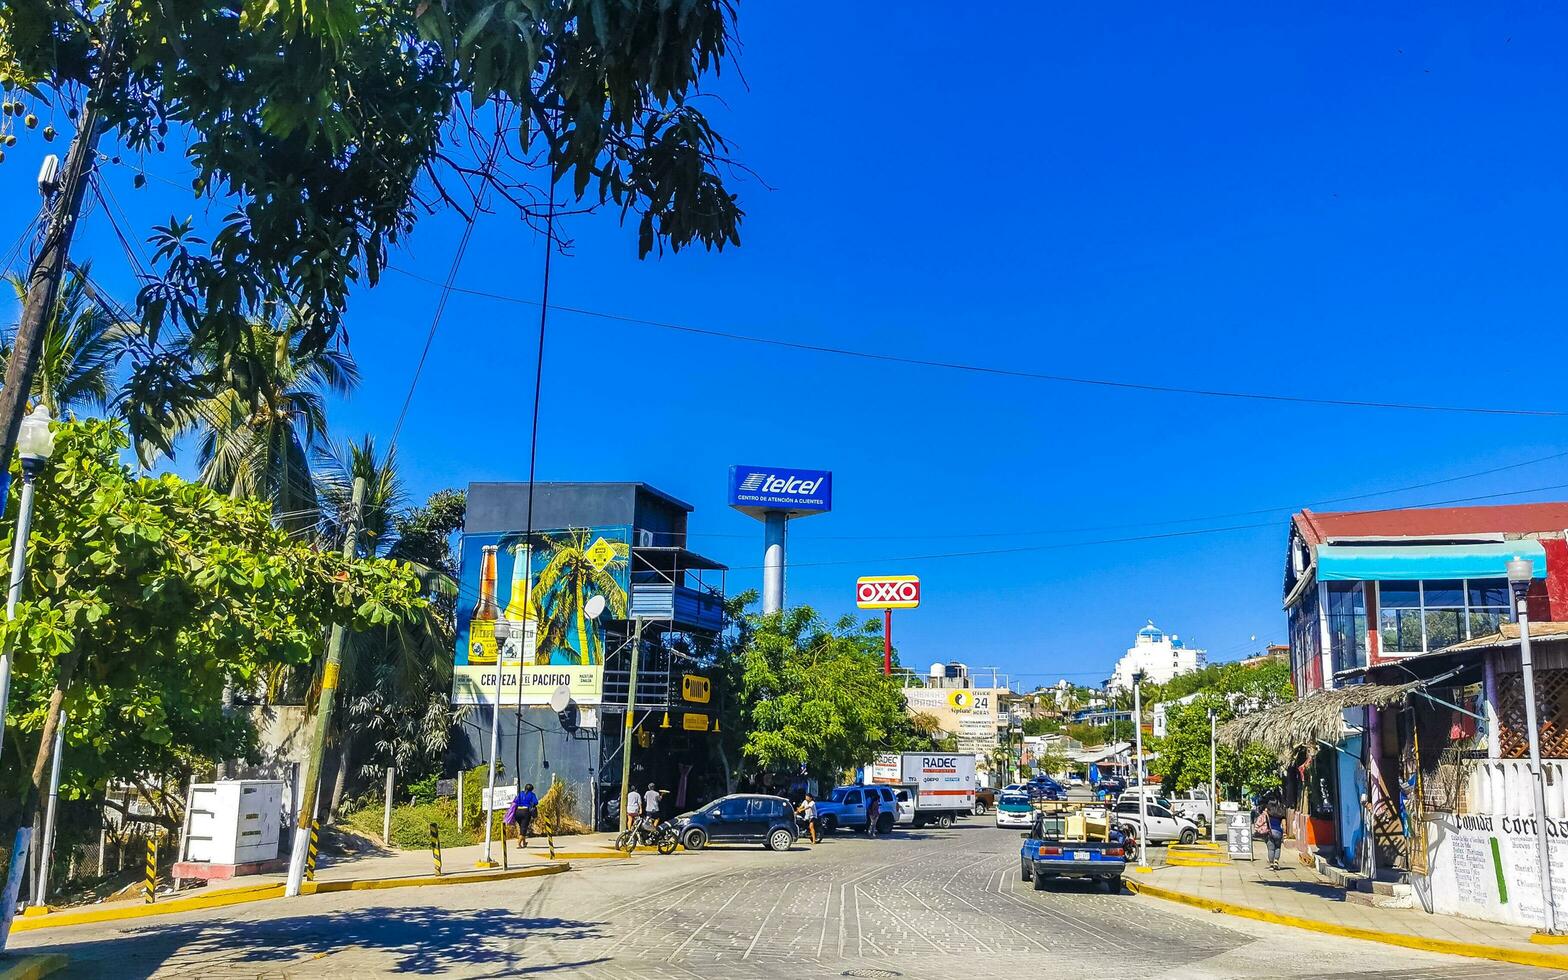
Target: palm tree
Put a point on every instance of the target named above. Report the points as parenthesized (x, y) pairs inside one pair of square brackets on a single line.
[(337, 466), (81, 346), (561, 593), (261, 412)]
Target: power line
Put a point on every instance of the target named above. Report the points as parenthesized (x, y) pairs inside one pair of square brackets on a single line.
[(986, 370)]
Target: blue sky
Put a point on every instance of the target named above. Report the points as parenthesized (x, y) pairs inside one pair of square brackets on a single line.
[(1334, 203)]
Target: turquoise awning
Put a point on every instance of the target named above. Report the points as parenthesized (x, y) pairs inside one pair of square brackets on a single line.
[(1409, 562)]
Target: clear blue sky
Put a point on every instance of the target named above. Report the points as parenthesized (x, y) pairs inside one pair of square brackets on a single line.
[(1342, 203)]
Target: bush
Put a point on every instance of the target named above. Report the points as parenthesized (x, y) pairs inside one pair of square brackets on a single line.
[(424, 790)]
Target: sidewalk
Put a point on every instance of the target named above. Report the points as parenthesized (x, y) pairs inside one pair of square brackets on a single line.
[(1296, 896)]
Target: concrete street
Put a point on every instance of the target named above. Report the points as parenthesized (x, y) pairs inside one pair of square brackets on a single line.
[(922, 904)]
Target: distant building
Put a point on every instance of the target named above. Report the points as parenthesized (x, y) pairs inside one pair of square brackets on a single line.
[(1274, 651), (1159, 655)]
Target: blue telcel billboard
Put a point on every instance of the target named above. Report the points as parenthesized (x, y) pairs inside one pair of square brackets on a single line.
[(758, 489)]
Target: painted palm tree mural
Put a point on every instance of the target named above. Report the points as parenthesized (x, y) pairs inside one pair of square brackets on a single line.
[(570, 574)]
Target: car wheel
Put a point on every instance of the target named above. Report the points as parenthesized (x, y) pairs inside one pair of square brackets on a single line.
[(1188, 835), (945, 821), (1039, 883), (695, 840), (829, 824), (885, 824), (1112, 885), (979, 809), (780, 840), (1025, 871)]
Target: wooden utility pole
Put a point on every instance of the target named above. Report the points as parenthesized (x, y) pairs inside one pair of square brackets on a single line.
[(318, 743)]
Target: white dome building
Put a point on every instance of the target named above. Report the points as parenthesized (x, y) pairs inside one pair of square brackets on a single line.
[(1158, 654)]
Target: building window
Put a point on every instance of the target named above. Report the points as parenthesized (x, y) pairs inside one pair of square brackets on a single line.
[(1414, 617), (1347, 624)]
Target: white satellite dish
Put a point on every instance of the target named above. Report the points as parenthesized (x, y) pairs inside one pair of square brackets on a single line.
[(594, 606), (560, 698)]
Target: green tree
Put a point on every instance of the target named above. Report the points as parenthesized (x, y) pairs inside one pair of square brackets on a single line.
[(81, 346), (1231, 689), (813, 693), (261, 413), (144, 599), (326, 128), (1042, 726)]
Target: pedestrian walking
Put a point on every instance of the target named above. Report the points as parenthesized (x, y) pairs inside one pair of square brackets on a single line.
[(525, 807), (873, 811), (808, 815), (1271, 822), (650, 805), (633, 809)]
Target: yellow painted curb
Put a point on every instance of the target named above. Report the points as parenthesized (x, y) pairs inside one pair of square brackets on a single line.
[(1501, 954), (32, 967), (580, 855), (257, 893), (1549, 938)]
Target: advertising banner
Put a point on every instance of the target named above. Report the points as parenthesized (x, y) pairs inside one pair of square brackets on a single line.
[(968, 712), (554, 593), (1487, 866), (783, 488)]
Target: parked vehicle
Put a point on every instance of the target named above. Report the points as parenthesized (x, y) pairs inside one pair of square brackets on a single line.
[(1046, 788), (1195, 805), (1163, 823), (644, 834), (904, 797), (1111, 784), (846, 807), (985, 800), (1062, 842), (744, 818), (944, 783), (1014, 810)]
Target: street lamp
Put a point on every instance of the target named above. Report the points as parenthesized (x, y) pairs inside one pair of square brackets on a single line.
[(36, 443), (504, 638), (1143, 798), (1214, 806), (1520, 573)]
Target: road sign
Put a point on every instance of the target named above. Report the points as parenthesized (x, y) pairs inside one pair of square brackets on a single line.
[(599, 554), (887, 591)]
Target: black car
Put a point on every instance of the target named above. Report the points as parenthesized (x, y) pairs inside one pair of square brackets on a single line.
[(745, 818)]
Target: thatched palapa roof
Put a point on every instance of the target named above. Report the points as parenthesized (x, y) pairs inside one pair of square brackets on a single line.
[(1307, 722)]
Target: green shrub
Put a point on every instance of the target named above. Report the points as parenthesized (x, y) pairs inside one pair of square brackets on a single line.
[(424, 790)]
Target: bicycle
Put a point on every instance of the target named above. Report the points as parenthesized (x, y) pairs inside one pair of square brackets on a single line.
[(661, 837)]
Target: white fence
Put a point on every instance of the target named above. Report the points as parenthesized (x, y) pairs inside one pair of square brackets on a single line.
[(1506, 787)]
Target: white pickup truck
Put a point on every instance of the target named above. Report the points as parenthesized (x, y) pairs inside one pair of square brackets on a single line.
[(1193, 804)]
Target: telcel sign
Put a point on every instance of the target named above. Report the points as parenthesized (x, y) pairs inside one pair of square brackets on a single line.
[(796, 493), (887, 591)]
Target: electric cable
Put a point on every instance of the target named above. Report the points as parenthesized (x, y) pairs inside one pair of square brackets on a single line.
[(988, 370)]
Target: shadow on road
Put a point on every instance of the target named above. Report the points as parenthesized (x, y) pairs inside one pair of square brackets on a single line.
[(417, 940)]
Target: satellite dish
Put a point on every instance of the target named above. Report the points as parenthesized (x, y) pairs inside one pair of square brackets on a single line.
[(593, 607), (560, 698)]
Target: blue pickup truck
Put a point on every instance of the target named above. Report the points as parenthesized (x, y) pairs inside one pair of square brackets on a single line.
[(1065, 842), (845, 808)]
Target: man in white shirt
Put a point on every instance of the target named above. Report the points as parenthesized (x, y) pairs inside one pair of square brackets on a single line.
[(650, 804)]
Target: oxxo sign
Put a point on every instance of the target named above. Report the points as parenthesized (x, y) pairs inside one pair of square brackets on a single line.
[(887, 591)]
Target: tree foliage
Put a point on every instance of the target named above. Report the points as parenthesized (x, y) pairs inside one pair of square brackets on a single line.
[(1228, 689), (328, 125), (81, 345), (145, 597), (813, 694)]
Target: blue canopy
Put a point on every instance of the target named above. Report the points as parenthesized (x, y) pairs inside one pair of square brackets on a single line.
[(1410, 562)]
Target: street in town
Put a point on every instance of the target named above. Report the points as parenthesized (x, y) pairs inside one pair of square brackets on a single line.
[(920, 904)]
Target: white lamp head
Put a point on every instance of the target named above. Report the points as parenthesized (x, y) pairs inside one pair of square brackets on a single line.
[(34, 440)]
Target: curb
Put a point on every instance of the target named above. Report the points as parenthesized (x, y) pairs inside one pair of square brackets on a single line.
[(1501, 954), (33, 966), (259, 893)]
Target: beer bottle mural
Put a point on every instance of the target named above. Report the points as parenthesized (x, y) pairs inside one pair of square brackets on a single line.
[(565, 585), (481, 624)]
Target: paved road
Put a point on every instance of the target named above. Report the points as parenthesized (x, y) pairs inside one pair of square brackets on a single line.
[(923, 905)]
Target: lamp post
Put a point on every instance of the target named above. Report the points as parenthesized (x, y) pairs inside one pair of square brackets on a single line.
[(1143, 798), (1214, 804), (36, 443), (504, 636), (1520, 572)]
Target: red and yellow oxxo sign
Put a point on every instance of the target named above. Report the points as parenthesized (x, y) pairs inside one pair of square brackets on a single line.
[(887, 591)]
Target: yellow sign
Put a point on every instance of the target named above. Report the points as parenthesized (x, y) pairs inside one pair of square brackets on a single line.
[(961, 700), (599, 554), (696, 688), (693, 722)]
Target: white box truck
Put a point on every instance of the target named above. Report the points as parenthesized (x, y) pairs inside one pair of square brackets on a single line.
[(943, 782)]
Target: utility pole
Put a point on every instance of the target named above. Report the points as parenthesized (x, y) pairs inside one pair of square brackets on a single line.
[(626, 726), (1143, 798), (1214, 804), (329, 692), (1521, 571), (43, 279)]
